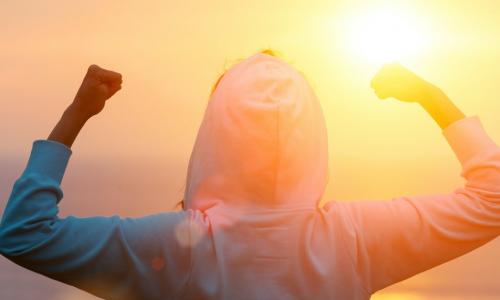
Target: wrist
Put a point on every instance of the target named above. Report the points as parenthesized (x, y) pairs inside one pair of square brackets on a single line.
[(441, 108), (77, 113), (431, 95), (69, 126)]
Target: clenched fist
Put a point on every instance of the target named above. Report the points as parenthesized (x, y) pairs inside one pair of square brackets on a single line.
[(394, 80), (98, 86)]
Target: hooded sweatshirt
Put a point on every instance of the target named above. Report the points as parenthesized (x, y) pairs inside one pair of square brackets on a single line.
[(252, 227)]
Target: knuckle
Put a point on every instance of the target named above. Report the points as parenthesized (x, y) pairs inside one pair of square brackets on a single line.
[(93, 68)]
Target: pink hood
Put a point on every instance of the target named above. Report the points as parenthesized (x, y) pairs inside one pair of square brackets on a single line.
[(262, 142)]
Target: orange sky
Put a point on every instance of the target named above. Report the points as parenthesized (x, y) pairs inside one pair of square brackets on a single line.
[(131, 159)]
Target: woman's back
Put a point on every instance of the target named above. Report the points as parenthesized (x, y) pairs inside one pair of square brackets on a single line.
[(283, 254)]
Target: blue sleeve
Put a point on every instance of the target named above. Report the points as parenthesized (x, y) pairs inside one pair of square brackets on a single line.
[(110, 257)]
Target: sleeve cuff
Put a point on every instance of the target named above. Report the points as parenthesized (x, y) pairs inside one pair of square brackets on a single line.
[(468, 138), (48, 158)]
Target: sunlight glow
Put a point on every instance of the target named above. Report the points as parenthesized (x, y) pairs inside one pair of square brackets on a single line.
[(397, 296), (386, 34)]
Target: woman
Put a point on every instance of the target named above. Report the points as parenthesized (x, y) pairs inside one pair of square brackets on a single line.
[(251, 227)]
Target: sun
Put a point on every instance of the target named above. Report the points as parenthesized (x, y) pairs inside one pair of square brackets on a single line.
[(386, 34)]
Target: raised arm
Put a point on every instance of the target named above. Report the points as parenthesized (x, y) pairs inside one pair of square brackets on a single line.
[(394, 240), (110, 257), (394, 80)]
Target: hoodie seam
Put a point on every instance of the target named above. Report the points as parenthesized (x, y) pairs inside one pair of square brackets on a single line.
[(190, 268), (277, 151), (353, 261)]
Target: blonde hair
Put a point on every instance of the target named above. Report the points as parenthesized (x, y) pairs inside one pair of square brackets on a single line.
[(267, 51)]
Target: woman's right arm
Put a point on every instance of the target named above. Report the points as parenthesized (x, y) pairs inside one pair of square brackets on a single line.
[(394, 240)]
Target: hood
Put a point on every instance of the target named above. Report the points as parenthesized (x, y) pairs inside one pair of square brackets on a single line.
[(262, 142)]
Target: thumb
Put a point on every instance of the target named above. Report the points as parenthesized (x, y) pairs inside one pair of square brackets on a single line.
[(382, 95), (113, 88)]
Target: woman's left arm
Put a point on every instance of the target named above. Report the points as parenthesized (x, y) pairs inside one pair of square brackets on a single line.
[(110, 257)]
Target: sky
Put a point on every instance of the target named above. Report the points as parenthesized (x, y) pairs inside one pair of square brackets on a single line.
[(132, 158)]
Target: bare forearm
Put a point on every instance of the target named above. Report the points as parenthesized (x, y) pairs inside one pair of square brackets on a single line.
[(68, 127), (441, 108)]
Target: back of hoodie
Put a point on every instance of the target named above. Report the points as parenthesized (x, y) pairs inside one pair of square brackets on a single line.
[(256, 174), (252, 228)]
